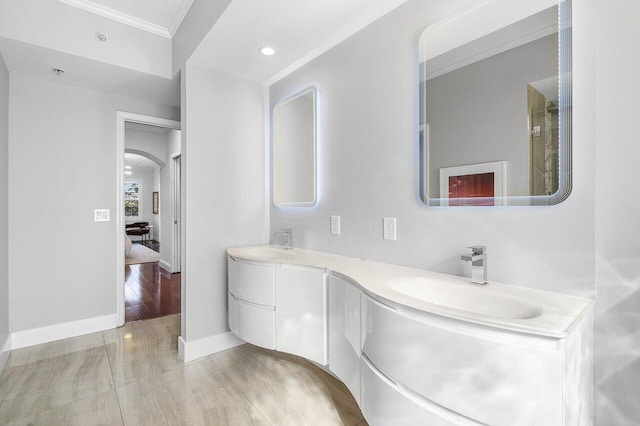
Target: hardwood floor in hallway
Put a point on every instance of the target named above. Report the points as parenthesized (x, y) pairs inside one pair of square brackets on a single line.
[(150, 292)]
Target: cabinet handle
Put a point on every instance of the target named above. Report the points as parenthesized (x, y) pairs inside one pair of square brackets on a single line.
[(426, 403), (378, 373), (255, 305)]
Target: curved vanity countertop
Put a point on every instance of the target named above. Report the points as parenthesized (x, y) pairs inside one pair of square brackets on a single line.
[(294, 256), (509, 307)]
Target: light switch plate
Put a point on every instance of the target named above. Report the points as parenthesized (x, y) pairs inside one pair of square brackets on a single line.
[(389, 228), (335, 225), (101, 215)]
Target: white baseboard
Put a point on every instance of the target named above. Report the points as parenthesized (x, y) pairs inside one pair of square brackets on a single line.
[(36, 336), (165, 265), (5, 349), (195, 349)]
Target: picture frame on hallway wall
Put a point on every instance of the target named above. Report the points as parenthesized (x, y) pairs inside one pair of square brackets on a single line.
[(156, 195)]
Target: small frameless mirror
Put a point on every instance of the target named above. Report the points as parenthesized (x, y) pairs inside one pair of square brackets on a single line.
[(495, 105), (294, 140)]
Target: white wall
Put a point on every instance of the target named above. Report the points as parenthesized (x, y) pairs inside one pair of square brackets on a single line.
[(155, 218), (151, 143), (617, 214), (368, 169), (74, 33), (223, 168), (62, 264), (173, 142), (4, 255)]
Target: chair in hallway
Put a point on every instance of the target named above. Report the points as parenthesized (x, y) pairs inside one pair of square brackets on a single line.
[(138, 228)]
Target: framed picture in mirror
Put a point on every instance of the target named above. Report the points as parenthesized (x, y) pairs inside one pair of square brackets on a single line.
[(474, 185)]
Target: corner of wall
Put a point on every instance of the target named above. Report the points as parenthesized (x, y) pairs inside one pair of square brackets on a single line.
[(5, 340), (194, 28), (266, 93), (232, 169), (189, 351)]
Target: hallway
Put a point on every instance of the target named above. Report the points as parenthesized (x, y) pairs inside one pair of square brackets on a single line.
[(150, 291)]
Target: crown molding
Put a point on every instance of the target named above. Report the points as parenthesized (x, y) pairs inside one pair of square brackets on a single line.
[(181, 13), (123, 18)]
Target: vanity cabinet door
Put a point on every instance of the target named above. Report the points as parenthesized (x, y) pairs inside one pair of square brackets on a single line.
[(252, 323), (301, 312), (495, 377), (344, 333), (252, 282)]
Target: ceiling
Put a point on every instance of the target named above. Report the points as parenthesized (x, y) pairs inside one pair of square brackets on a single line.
[(139, 162), (516, 33), (298, 30), (35, 61), (161, 17), (231, 46)]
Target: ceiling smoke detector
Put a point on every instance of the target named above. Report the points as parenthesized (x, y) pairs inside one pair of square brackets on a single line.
[(58, 71)]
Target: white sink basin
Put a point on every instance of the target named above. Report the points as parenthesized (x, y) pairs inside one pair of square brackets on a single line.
[(475, 300)]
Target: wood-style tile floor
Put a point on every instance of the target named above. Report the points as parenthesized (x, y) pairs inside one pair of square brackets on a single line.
[(132, 375), (150, 291)]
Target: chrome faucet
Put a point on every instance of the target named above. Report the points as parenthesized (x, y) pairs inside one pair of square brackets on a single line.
[(287, 235), (478, 259)]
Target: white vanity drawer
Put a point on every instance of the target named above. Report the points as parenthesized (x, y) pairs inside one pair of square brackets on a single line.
[(493, 377), (252, 281), (344, 333), (384, 404), (253, 324)]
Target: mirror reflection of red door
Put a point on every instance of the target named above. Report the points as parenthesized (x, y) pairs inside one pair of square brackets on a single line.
[(471, 186)]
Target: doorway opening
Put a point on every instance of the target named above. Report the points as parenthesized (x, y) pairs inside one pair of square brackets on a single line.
[(148, 217)]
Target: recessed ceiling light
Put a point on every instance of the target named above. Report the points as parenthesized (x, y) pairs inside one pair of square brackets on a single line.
[(128, 173), (127, 167), (58, 71), (267, 51)]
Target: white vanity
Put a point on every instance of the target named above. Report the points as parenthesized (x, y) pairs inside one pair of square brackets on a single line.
[(278, 299), (416, 347)]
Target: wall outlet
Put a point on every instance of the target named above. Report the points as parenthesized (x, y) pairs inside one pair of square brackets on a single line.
[(101, 215), (389, 228), (335, 225)]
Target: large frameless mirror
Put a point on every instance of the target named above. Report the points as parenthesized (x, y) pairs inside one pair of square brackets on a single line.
[(294, 150), (495, 105)]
